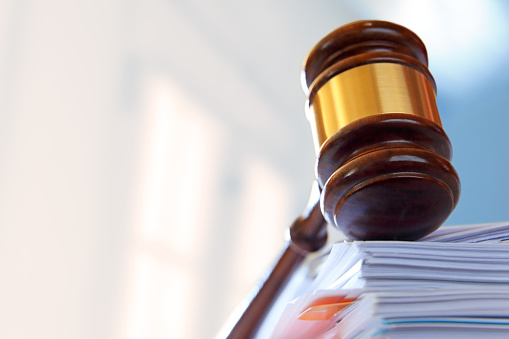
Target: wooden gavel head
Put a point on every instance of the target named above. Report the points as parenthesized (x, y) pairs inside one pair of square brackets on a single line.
[(383, 159)]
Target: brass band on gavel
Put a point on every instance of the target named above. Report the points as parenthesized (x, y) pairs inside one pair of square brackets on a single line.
[(371, 89)]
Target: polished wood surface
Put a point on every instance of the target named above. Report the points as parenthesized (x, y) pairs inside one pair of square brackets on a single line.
[(388, 177), (369, 192), (384, 176), (361, 43), (391, 194)]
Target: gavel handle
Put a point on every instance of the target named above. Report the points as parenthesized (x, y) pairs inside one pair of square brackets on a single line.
[(308, 234), (268, 292)]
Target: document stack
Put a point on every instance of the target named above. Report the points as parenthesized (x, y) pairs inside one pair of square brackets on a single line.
[(452, 284)]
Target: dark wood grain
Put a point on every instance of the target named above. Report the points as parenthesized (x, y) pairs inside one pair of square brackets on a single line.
[(380, 131), (371, 207), (391, 194), (370, 193), (363, 42)]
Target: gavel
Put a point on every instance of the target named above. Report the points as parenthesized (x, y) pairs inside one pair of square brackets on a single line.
[(383, 159)]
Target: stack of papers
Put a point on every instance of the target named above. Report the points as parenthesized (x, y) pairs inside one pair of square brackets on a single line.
[(453, 284)]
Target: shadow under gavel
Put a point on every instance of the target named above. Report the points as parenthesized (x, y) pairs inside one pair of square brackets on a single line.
[(383, 160)]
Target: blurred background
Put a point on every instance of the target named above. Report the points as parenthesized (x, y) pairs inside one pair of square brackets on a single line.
[(153, 153)]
